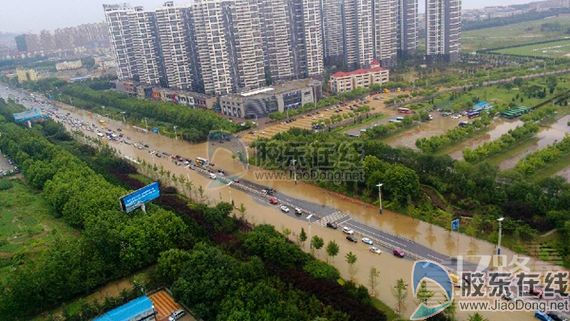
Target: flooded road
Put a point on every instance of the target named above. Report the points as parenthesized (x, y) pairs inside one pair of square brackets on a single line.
[(544, 137), (259, 212), (437, 126), (498, 128)]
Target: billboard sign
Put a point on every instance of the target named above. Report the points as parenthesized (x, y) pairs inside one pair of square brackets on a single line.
[(139, 197)]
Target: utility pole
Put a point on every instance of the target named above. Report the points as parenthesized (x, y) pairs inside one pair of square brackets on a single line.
[(500, 220), (294, 170), (380, 197), (310, 236)]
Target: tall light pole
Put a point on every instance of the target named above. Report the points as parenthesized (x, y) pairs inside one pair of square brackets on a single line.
[(175, 134), (309, 219), (294, 161), (500, 220), (380, 197), (123, 114), (146, 124), (230, 192)]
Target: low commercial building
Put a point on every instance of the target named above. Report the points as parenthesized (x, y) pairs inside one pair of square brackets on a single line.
[(25, 75), (68, 65), (139, 309), (263, 101), (361, 78), (182, 97)]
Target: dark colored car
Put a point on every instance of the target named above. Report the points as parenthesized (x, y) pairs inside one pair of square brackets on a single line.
[(398, 252), (352, 238), (332, 225)]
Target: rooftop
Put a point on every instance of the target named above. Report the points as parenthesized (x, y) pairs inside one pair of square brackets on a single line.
[(356, 72), (126, 311)]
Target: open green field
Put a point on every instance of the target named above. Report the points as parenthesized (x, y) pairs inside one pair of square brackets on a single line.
[(515, 34), (26, 225), (557, 49)]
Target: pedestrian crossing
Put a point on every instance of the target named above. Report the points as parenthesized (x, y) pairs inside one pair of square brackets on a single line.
[(336, 217)]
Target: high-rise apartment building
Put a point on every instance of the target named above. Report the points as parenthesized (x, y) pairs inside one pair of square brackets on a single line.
[(146, 46), (358, 33), (443, 29), (292, 38), (332, 32), (385, 28), (246, 45), (176, 46), (117, 17), (407, 26)]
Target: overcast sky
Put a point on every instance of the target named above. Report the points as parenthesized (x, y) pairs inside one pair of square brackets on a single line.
[(34, 15)]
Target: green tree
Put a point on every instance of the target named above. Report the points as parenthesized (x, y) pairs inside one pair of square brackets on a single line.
[(317, 242), (400, 292), (477, 317), (332, 249), (302, 237), (351, 259), (373, 279), (424, 293)]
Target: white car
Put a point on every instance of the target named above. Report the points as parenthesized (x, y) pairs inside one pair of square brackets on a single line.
[(213, 176), (284, 209), (347, 230), (368, 241), (176, 315), (375, 250)]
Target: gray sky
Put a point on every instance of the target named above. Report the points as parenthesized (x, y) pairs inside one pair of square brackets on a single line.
[(35, 15)]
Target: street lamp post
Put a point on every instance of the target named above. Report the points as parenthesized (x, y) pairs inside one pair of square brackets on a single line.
[(500, 220), (294, 161), (380, 197), (123, 114), (309, 219), (175, 134), (146, 124), (230, 192)]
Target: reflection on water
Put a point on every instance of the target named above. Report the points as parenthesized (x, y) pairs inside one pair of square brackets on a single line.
[(548, 136), (437, 126), (498, 129)]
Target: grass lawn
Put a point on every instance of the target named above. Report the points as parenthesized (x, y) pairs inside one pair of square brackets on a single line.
[(558, 49), (26, 226), (514, 34)]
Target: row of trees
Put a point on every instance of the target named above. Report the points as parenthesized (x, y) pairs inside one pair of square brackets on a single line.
[(535, 161), (453, 136), (494, 147), (193, 124), (112, 244)]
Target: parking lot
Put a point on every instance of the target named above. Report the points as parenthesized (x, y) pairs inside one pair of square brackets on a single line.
[(164, 304), (6, 167)]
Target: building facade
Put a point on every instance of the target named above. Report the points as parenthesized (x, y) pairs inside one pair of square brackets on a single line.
[(263, 101), (146, 49), (361, 78), (176, 46), (117, 17), (332, 27), (407, 27), (443, 30)]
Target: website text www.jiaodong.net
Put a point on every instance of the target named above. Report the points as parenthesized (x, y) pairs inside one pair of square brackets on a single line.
[(311, 176), (499, 305)]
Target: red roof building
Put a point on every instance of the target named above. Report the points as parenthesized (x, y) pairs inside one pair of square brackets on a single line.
[(361, 78)]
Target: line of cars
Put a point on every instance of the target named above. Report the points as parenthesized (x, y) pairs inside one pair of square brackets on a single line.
[(350, 236)]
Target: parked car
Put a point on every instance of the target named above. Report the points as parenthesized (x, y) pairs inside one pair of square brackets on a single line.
[(368, 241), (284, 209), (352, 238), (398, 252), (347, 230), (541, 315), (375, 250), (298, 211), (273, 201), (176, 315), (556, 317), (213, 176), (332, 225)]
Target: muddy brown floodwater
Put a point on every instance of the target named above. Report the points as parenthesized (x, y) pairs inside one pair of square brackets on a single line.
[(391, 268), (498, 128), (547, 136), (437, 126)]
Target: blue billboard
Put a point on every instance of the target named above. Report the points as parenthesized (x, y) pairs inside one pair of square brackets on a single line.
[(29, 115), (137, 198)]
